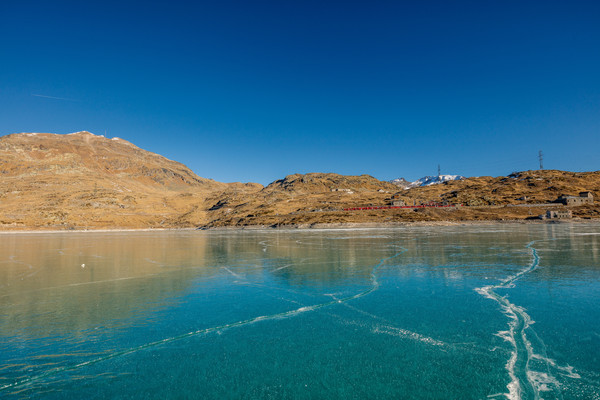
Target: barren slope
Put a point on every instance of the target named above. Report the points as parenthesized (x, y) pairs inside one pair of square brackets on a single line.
[(527, 187), (316, 198), (82, 180)]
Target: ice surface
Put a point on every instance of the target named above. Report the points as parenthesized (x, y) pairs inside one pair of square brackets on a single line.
[(388, 313)]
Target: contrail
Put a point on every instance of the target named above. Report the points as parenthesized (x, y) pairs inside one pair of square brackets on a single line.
[(52, 97)]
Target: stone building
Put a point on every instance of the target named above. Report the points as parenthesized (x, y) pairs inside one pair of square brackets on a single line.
[(558, 214), (583, 198)]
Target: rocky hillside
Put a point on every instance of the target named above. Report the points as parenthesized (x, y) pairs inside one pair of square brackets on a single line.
[(314, 183), (83, 180), (286, 200), (84, 154), (527, 187), (322, 198)]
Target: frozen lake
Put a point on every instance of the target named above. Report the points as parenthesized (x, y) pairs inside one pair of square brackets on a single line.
[(460, 312)]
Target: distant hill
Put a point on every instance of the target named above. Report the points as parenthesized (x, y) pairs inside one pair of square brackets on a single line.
[(401, 182), (526, 187), (286, 201), (311, 199), (327, 182)]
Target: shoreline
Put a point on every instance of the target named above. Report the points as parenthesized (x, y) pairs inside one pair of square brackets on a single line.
[(101, 230), (340, 225), (359, 225)]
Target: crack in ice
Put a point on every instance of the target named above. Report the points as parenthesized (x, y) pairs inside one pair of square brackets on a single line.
[(216, 329), (525, 382)]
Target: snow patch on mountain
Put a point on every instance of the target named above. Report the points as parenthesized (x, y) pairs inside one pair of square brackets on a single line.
[(403, 183), (434, 180), (426, 181)]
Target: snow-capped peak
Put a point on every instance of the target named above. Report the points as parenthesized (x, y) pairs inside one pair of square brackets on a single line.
[(401, 182), (426, 181), (434, 180)]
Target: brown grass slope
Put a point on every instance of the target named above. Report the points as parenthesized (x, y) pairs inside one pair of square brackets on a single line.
[(299, 199), (82, 180), (313, 199), (527, 187)]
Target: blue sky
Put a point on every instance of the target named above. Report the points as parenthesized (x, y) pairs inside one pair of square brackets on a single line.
[(254, 91)]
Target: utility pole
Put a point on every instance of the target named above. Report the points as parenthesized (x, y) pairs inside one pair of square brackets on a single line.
[(439, 171), (541, 157)]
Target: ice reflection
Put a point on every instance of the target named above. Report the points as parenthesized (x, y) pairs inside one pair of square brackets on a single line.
[(91, 277)]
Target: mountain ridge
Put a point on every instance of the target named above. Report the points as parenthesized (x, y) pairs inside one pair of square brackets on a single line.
[(86, 181)]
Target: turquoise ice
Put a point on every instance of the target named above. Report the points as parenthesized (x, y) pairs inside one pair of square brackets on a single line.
[(458, 312)]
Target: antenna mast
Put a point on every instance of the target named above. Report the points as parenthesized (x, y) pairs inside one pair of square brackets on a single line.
[(541, 157), (439, 171)]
